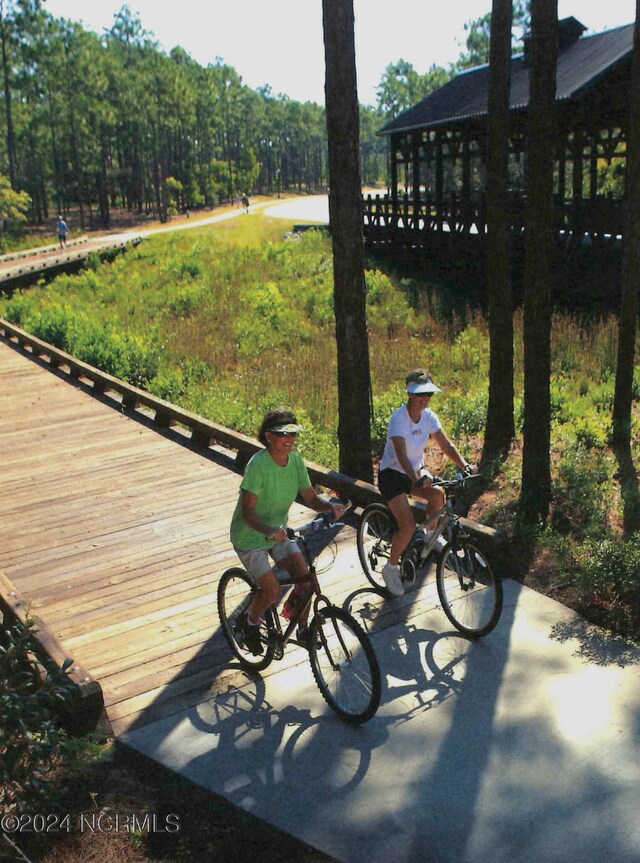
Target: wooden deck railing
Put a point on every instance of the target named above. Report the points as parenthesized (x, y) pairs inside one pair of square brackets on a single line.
[(26, 265), (389, 219), (40, 250), (88, 703), (203, 432)]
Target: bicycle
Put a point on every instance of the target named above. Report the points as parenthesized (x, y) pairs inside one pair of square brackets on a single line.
[(470, 594), (342, 659)]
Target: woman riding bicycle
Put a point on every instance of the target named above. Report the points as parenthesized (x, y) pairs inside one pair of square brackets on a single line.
[(272, 480), (402, 472)]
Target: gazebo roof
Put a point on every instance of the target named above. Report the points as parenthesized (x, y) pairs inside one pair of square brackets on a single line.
[(582, 60)]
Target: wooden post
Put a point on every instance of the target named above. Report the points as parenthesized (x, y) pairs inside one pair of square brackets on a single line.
[(439, 181), (593, 168), (415, 154), (466, 182), (394, 180)]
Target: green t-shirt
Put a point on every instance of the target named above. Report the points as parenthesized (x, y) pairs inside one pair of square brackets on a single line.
[(275, 488)]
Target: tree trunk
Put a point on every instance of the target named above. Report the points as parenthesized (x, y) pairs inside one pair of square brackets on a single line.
[(539, 244), (630, 258), (500, 426), (103, 182), (345, 216), (628, 320), (11, 135)]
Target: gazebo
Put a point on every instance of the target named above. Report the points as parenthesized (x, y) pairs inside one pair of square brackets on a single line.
[(437, 151)]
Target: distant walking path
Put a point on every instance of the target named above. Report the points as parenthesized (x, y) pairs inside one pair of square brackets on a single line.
[(18, 265)]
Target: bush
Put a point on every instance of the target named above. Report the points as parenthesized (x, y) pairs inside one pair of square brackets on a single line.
[(17, 309), (127, 357), (580, 504), (610, 572), (168, 385), (51, 324), (387, 309), (31, 696), (467, 415)]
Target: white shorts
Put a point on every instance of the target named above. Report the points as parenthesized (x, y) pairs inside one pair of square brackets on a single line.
[(256, 560)]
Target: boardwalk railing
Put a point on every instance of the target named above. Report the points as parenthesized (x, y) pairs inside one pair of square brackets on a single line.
[(26, 265), (88, 706), (40, 250), (406, 218)]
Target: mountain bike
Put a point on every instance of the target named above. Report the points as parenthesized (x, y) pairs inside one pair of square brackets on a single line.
[(470, 595), (342, 659)]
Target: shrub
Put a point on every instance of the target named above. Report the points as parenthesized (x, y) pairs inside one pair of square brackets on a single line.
[(185, 300), (17, 309), (387, 308), (610, 572), (31, 696), (580, 492), (468, 352), (51, 324), (466, 415), (127, 356), (168, 384)]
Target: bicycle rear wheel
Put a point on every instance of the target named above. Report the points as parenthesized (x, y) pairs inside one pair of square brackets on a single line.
[(470, 594), (344, 665), (376, 528), (235, 592)]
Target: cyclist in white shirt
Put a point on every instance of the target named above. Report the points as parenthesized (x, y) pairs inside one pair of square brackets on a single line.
[(401, 468)]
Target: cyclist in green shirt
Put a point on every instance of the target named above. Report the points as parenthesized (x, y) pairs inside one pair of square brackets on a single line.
[(272, 480)]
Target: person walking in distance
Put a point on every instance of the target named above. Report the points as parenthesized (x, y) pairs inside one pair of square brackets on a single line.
[(63, 230)]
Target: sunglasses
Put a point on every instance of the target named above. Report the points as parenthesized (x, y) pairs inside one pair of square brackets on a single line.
[(284, 434)]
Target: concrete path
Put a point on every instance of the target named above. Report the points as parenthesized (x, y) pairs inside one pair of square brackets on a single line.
[(312, 208), (523, 747)]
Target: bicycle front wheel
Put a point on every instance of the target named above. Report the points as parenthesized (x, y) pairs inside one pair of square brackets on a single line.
[(235, 592), (470, 594), (375, 531), (344, 665)]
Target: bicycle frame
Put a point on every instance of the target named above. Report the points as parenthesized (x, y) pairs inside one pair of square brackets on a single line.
[(315, 598), (443, 520)]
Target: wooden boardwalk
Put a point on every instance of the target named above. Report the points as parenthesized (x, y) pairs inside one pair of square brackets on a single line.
[(24, 267), (116, 532)]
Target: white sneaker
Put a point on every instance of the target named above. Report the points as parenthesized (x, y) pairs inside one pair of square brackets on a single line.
[(391, 576)]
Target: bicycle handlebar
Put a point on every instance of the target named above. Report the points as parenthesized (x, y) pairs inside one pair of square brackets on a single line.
[(461, 479), (323, 518)]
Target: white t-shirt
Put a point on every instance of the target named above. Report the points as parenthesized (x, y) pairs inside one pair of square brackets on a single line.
[(416, 436)]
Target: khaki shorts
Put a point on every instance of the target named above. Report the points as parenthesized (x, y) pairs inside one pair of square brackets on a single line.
[(256, 560)]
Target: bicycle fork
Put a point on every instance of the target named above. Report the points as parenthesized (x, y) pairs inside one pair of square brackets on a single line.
[(346, 654)]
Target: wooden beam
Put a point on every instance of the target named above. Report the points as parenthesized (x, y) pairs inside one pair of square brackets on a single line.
[(88, 708)]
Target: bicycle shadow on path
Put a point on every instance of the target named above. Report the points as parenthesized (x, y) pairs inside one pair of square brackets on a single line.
[(510, 748)]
